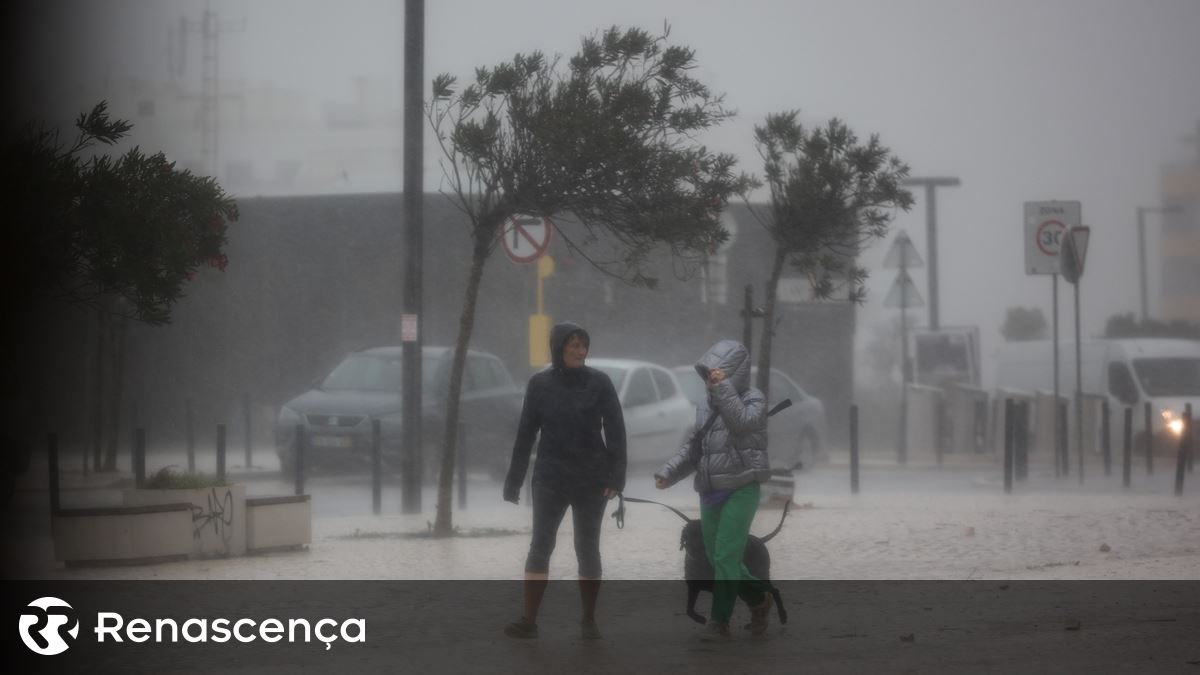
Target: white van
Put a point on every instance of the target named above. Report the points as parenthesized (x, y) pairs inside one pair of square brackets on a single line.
[(1128, 372)]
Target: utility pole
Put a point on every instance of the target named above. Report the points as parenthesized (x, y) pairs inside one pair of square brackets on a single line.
[(414, 194), (930, 184)]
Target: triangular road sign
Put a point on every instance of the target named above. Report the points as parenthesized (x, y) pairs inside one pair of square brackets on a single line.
[(902, 253), (903, 293), (1073, 253)]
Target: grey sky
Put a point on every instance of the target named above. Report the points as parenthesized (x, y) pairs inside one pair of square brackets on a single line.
[(1023, 100)]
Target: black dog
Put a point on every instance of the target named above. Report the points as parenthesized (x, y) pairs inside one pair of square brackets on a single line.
[(698, 571)]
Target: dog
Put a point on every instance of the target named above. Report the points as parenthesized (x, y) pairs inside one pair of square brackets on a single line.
[(698, 571)]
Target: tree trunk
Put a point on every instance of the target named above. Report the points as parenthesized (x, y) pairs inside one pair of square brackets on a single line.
[(764, 352), (443, 524), (99, 366), (118, 391)]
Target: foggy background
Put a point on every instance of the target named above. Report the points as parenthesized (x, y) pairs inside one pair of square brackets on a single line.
[(1021, 100)]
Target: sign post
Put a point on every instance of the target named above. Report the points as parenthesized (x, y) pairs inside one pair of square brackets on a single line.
[(1045, 224), (903, 294), (1073, 256), (525, 240)]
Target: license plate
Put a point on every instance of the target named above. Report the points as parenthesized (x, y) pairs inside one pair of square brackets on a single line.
[(332, 441)]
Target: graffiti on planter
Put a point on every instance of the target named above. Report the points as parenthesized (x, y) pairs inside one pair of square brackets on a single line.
[(218, 515)]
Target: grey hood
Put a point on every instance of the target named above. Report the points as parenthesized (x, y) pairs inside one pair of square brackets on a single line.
[(730, 356)]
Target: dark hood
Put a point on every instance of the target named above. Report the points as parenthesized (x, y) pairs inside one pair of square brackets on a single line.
[(558, 339), (731, 357)]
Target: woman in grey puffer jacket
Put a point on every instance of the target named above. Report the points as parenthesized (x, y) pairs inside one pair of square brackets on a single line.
[(730, 462)]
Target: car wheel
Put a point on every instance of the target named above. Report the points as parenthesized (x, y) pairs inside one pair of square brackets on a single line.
[(808, 449)]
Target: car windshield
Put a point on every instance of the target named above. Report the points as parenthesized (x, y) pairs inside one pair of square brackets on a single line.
[(375, 372), (617, 375), (1174, 376)]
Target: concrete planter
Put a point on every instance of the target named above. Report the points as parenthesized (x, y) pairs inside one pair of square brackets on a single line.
[(278, 523), (218, 516), (123, 535)]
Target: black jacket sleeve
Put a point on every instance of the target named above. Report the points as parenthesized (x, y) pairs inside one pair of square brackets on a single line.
[(531, 421), (614, 436)]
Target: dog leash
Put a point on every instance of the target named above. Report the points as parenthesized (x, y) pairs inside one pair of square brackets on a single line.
[(619, 514)]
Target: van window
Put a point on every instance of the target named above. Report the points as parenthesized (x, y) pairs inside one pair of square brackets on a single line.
[(1120, 383), (1169, 376)]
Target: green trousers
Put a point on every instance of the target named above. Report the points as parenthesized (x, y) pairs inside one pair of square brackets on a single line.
[(725, 529)]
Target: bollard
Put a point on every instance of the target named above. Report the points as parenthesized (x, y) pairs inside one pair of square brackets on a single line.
[(1185, 448), (1127, 451), (246, 428), (1064, 440), (854, 449), (52, 458), (300, 459), (1009, 422), (1105, 441), (139, 458), (1021, 441), (376, 467), (220, 452), (1146, 424), (188, 430), (461, 462)]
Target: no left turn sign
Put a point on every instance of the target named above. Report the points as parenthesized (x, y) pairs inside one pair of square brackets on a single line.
[(526, 238)]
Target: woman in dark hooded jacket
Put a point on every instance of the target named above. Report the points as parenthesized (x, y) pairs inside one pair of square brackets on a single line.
[(580, 463), (730, 462)]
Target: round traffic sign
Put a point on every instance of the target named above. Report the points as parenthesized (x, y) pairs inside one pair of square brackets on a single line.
[(526, 238), (1049, 237)]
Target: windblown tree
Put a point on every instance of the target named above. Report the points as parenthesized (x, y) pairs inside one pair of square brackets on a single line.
[(829, 196), (121, 237), (1023, 323), (607, 140)]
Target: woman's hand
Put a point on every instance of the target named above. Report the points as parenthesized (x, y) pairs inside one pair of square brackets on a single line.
[(660, 483), (715, 376), (609, 493)]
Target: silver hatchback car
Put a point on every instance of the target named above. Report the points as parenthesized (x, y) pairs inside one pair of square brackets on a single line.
[(795, 435)]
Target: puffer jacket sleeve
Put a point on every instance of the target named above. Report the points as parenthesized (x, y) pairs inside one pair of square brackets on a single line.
[(681, 464), (614, 435), (531, 421), (741, 414)]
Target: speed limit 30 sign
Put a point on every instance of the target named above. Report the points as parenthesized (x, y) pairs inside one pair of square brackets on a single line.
[(1045, 225)]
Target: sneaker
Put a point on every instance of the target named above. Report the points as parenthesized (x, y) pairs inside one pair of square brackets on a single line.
[(760, 615), (522, 629), (588, 630), (716, 632)]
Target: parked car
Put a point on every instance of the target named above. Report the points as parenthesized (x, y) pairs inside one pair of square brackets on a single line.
[(336, 414), (794, 436), (657, 414)]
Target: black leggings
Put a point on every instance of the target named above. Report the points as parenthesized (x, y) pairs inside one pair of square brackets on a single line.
[(587, 513)]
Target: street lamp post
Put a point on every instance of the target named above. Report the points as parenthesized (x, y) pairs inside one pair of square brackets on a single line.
[(1141, 225)]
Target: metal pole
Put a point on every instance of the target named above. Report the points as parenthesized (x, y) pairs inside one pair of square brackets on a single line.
[(1127, 450), (1058, 422), (376, 467), (902, 449), (1021, 442), (414, 194), (246, 427), (931, 236), (220, 452), (1105, 444), (139, 458), (1184, 448), (1078, 386), (1141, 234), (1009, 422), (300, 459), (854, 449), (1147, 425), (189, 431)]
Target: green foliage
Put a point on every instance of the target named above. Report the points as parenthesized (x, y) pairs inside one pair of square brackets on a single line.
[(88, 229), (829, 196), (1021, 324), (168, 479), (609, 140), (1126, 326)]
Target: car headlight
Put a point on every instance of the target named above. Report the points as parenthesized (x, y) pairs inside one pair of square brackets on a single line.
[(1173, 422)]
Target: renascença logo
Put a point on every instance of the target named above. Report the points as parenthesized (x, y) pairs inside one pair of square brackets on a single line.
[(46, 624)]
